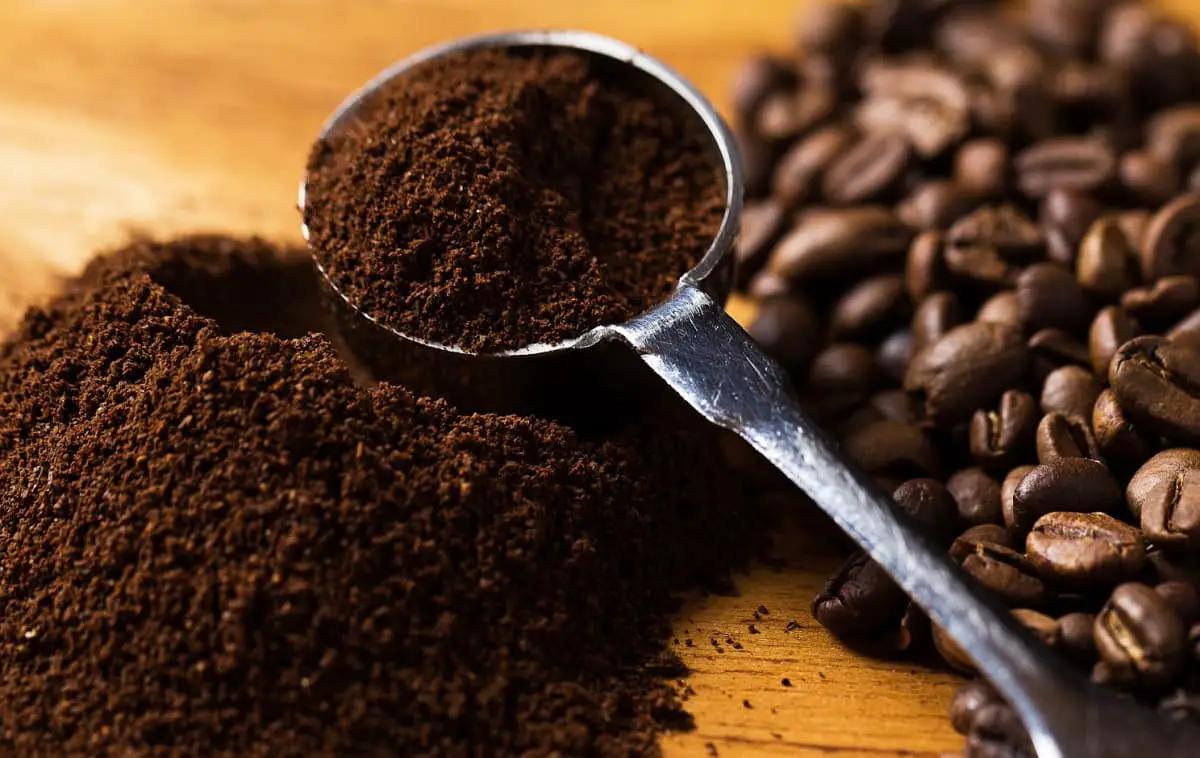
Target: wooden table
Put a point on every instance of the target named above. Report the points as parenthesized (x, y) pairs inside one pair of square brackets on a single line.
[(172, 115)]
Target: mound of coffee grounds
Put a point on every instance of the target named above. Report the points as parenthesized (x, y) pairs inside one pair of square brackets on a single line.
[(216, 543), (496, 199)]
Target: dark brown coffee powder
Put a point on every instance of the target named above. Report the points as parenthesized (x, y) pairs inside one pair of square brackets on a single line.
[(213, 542), (494, 199)]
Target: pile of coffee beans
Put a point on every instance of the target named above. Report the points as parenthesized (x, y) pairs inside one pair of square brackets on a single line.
[(973, 237), (215, 542), (493, 199)]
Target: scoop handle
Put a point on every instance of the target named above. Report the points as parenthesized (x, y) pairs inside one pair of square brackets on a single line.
[(714, 365)]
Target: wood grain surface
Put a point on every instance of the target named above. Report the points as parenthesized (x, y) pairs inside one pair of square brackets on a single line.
[(179, 115)]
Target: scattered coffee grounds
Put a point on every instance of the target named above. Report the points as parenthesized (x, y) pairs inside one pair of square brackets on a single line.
[(216, 543), (496, 199), (972, 232)]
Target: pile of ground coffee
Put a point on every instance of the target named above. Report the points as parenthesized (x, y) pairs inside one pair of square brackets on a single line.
[(215, 542), (496, 199)]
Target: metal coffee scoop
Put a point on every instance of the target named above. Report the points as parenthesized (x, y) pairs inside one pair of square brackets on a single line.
[(702, 354)]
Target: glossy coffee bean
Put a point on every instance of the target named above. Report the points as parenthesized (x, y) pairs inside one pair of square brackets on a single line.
[(930, 506), (1084, 551), (1070, 163), (893, 354), (797, 177), (1105, 264), (998, 733), (1140, 638), (1111, 328), (925, 270), (1004, 438), (1164, 494), (1076, 485), (951, 652), (1006, 573), (831, 242), (1155, 381), (1049, 297), (981, 167), (976, 495), (1065, 217), (896, 405), (1183, 597), (1158, 306), (926, 103), (1173, 134), (1078, 642), (970, 699), (1121, 444), (1053, 348), (966, 543), (859, 598), (788, 330), (968, 368), (1062, 436), (985, 247), (870, 308), (759, 78), (1171, 242), (1008, 491), (936, 204), (895, 449), (763, 224), (1070, 391), (869, 170), (1147, 179), (934, 316), (1001, 308)]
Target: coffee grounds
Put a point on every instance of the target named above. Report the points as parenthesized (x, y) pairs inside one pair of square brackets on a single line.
[(215, 543), (493, 200)]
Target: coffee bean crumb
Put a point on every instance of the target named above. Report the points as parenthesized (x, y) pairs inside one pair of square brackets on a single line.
[(792, 626), (746, 704), (753, 629), (763, 610), (710, 749), (786, 682)]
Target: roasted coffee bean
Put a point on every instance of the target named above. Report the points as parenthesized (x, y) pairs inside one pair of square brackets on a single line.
[(1183, 597), (1053, 348), (763, 224), (1157, 383), (976, 495), (765, 285), (832, 242), (896, 405), (984, 247), (758, 162), (951, 652), (1189, 325), (934, 316), (1111, 328), (869, 170), (968, 368), (936, 204), (1165, 493), (798, 176), (925, 267), (1160, 305), (759, 78), (858, 599), (926, 103), (1070, 163), (965, 543), (1173, 135), (788, 330), (1140, 638), (1008, 491), (1171, 242), (970, 699), (1065, 436), (1135, 223), (998, 733), (869, 308), (1104, 265), (1148, 179), (970, 33), (981, 167), (1044, 627), (1048, 297), (893, 354), (893, 449), (843, 374), (1065, 217), (931, 507), (1121, 444), (1002, 438), (1006, 572), (1084, 551), (786, 115), (1070, 391), (1067, 28), (1075, 485), (1078, 642), (833, 29), (1000, 308), (1169, 466)]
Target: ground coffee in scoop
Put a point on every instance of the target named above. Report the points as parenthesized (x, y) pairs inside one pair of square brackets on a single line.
[(213, 542), (494, 199)]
